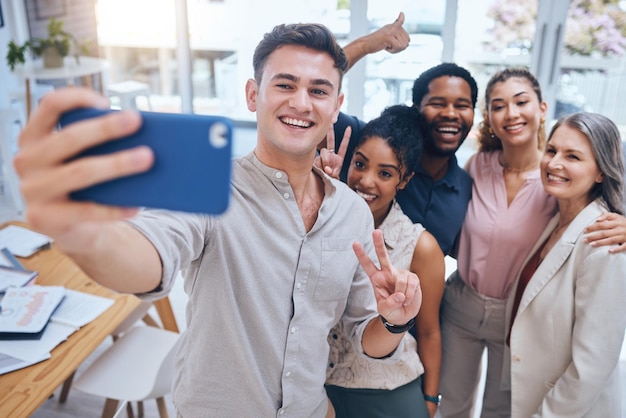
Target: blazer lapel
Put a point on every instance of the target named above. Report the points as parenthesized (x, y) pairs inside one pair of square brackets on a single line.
[(559, 252)]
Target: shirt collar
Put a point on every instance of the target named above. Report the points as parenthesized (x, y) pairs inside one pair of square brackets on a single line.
[(392, 236), (279, 177), (452, 178)]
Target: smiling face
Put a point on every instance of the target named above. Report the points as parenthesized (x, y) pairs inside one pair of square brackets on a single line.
[(568, 168), (376, 176), (515, 113), (296, 101), (448, 115)]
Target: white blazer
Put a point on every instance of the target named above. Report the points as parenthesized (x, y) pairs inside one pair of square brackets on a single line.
[(566, 337)]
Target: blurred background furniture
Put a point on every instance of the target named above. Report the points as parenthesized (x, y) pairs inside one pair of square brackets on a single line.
[(128, 91), (138, 366), (23, 391), (140, 313), (85, 68)]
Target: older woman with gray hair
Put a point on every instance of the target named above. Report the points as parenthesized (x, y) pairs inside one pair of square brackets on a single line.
[(567, 316)]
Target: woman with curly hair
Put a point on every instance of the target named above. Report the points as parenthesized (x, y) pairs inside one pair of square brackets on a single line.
[(383, 162)]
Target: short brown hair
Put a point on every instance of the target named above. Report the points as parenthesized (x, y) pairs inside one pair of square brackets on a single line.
[(309, 35)]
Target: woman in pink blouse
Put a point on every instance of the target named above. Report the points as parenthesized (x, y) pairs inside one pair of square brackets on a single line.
[(508, 212)]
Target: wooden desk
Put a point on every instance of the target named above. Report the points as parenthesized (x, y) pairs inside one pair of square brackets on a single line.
[(24, 390)]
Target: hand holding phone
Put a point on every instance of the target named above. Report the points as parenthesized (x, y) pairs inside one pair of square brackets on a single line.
[(192, 167)]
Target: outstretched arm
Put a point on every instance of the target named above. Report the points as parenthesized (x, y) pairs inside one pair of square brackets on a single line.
[(107, 249), (608, 229), (398, 298), (391, 37)]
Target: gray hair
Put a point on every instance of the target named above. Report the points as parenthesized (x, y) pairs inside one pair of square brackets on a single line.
[(606, 145)]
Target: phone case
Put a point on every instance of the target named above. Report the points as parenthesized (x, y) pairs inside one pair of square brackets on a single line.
[(192, 167)]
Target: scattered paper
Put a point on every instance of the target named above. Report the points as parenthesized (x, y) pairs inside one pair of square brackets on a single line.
[(8, 260), (9, 364), (21, 241), (27, 309), (10, 277), (75, 310)]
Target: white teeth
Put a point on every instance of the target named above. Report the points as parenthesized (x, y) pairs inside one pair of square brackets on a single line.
[(552, 177), (296, 122), (366, 196), (448, 130), (514, 127)]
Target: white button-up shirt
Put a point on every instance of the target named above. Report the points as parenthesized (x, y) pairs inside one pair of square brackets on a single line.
[(263, 294)]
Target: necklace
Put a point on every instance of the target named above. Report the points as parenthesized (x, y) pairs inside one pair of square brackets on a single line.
[(510, 169)]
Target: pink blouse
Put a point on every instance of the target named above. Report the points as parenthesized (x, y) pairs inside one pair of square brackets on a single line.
[(496, 238)]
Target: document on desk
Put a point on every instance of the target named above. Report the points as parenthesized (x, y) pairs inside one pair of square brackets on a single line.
[(76, 310), (27, 310), (10, 277), (31, 350), (21, 241), (9, 364), (8, 260), (12, 272)]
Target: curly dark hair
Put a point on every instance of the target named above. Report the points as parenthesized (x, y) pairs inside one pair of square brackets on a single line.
[(310, 35), (398, 126), (420, 86), (487, 140)]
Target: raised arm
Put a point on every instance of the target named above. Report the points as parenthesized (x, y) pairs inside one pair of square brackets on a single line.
[(391, 37), (95, 236), (398, 298)]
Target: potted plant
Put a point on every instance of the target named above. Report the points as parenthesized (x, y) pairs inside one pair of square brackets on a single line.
[(52, 49)]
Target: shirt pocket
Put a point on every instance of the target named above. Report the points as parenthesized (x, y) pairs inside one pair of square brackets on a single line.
[(339, 264)]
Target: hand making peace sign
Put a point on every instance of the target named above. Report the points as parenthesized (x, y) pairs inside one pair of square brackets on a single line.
[(398, 293), (329, 161)]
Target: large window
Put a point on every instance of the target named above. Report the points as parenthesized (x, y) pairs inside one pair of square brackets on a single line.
[(139, 38), (390, 76), (579, 58), (589, 71)]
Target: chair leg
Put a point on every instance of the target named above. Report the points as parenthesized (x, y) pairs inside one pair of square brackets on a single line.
[(129, 410), (110, 407), (149, 320), (162, 407), (140, 409), (65, 390), (166, 314)]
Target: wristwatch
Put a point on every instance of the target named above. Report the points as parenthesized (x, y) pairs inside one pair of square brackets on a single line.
[(434, 399), (397, 329)]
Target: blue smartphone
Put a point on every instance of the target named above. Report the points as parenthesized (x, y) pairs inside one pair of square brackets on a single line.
[(192, 167)]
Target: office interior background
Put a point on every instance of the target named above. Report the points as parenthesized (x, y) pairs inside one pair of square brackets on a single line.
[(195, 55)]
